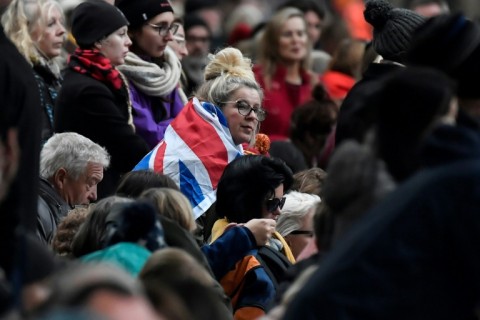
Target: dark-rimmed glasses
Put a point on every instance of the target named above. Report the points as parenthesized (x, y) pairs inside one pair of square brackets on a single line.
[(163, 29), (307, 233), (273, 204), (245, 109)]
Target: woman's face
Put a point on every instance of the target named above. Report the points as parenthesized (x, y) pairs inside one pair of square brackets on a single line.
[(115, 46), (149, 40), (178, 44), (49, 38), (314, 24), (298, 242), (273, 214), (242, 128), (293, 42)]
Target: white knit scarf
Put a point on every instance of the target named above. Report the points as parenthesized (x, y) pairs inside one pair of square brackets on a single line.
[(150, 78)]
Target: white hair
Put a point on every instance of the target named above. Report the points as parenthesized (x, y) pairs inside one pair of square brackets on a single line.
[(72, 152), (297, 205)]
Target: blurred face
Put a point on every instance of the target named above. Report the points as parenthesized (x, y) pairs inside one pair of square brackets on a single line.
[(314, 26), (179, 44), (293, 41), (298, 241), (79, 191), (49, 38), (429, 10), (198, 41), (242, 128), (272, 212), (115, 46), (151, 40)]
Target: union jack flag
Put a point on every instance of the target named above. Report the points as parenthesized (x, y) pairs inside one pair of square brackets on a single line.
[(196, 148)]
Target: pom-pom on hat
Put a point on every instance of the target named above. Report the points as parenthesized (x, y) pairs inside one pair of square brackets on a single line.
[(140, 11), (393, 28), (93, 20), (450, 43)]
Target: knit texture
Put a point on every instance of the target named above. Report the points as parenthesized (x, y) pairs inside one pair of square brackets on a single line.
[(393, 28), (150, 78)]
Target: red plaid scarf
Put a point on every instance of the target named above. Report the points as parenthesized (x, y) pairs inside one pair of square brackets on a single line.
[(95, 64)]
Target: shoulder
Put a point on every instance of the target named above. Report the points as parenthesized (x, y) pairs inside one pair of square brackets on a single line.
[(75, 84)]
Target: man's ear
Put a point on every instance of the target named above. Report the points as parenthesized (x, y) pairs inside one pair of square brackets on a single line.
[(98, 45), (59, 178)]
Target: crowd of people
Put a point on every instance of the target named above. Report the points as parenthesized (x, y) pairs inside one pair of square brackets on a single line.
[(308, 159)]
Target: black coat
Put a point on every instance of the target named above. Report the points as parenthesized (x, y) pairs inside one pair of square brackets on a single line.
[(19, 105), (97, 111), (48, 86), (414, 256)]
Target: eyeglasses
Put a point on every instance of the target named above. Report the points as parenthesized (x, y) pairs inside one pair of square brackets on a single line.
[(163, 29), (273, 204), (245, 109), (307, 233)]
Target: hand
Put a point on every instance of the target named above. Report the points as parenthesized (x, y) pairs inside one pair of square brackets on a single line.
[(262, 229)]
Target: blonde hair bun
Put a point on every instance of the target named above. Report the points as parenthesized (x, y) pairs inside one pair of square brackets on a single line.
[(229, 62)]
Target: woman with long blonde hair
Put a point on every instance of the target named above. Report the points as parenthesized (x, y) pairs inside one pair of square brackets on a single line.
[(36, 27)]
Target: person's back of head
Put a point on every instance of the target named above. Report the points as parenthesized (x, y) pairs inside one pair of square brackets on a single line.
[(404, 120), (171, 204), (309, 181), (134, 183), (91, 233), (393, 28), (66, 230), (450, 43), (105, 290)]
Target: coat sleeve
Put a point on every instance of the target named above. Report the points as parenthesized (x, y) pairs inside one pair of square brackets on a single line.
[(227, 250)]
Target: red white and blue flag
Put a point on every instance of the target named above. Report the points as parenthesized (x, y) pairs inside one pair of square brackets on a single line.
[(196, 148)]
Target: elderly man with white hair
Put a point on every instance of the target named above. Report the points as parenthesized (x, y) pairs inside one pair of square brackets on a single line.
[(71, 166)]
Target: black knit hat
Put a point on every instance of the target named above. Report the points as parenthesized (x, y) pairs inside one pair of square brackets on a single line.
[(93, 20), (140, 11), (393, 28), (450, 43)]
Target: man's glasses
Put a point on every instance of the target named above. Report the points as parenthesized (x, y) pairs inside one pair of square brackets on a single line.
[(273, 204), (245, 109), (163, 29)]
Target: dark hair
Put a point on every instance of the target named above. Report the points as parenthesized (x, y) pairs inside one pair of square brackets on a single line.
[(305, 6), (90, 234), (246, 182), (134, 183)]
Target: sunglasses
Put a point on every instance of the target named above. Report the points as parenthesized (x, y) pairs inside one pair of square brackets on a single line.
[(273, 204)]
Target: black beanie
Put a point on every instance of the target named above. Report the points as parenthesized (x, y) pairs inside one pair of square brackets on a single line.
[(393, 28), (93, 20), (450, 43), (140, 11)]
